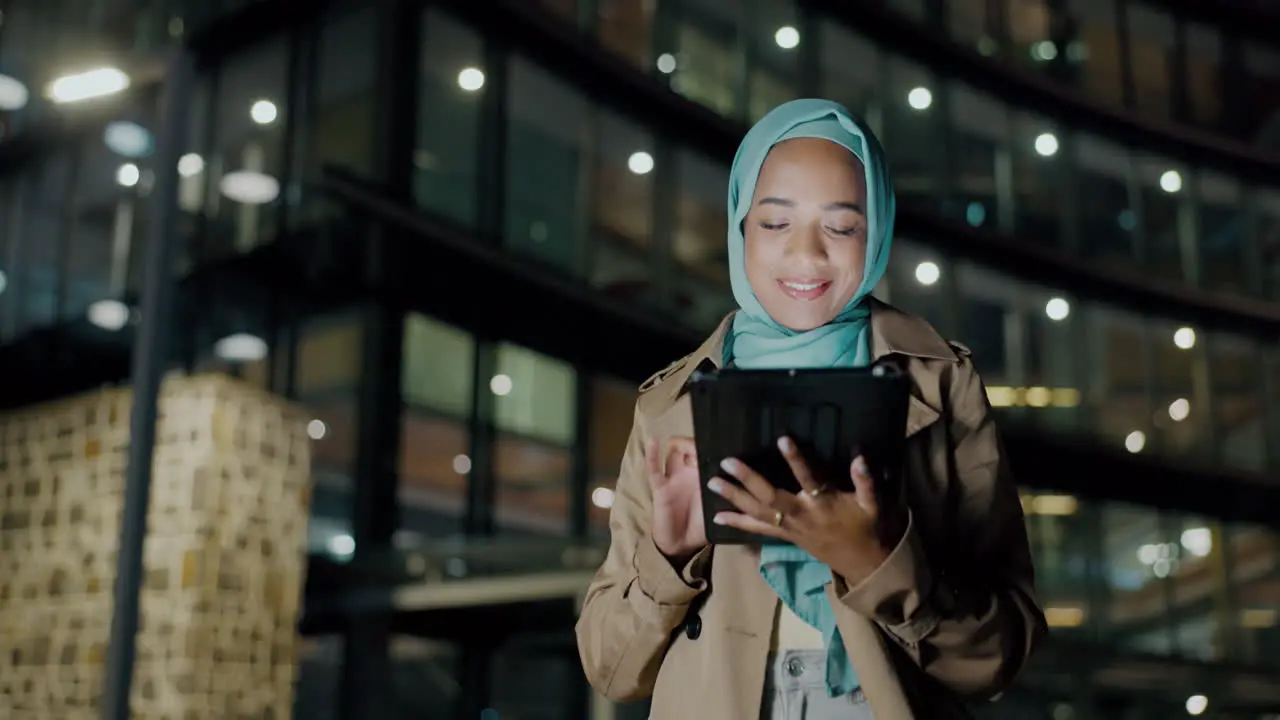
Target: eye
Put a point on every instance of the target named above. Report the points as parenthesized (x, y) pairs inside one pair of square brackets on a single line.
[(773, 226), (845, 232)]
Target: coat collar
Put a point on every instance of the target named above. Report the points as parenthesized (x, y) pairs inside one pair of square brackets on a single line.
[(893, 332)]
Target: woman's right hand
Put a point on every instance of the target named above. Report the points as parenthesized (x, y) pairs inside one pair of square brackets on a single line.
[(678, 527)]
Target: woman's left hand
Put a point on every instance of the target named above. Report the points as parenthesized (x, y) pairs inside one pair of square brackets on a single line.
[(848, 531)]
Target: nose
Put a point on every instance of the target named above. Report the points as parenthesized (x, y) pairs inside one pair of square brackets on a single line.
[(806, 244)]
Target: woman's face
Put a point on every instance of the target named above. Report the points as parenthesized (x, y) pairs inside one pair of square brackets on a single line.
[(806, 232)]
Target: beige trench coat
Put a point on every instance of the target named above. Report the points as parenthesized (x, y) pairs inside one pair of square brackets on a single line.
[(951, 614)]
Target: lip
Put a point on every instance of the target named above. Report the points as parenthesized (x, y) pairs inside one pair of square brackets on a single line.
[(806, 289)]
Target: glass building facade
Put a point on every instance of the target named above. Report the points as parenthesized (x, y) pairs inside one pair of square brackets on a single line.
[(461, 235)]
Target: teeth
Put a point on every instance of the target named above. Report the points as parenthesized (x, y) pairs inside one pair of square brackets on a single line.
[(803, 287)]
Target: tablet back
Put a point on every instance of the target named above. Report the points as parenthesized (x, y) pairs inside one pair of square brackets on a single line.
[(832, 414)]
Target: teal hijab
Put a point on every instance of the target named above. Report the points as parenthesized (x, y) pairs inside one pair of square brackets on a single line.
[(758, 341)]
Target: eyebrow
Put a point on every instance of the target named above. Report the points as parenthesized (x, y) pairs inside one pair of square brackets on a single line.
[(783, 202)]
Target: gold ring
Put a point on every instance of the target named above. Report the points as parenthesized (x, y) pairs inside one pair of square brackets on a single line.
[(777, 518), (815, 492)]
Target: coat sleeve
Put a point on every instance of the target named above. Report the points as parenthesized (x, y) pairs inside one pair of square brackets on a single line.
[(637, 598), (972, 627)]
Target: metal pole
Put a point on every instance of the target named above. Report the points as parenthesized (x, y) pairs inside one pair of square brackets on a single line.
[(150, 359)]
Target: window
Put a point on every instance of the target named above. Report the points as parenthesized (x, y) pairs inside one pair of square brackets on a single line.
[(340, 123), (534, 414), (435, 465), (612, 412), (326, 377), (452, 85), (548, 155), (700, 244), (622, 227)]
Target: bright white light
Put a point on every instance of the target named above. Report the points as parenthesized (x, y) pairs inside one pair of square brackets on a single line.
[(1047, 144), (128, 139), (666, 63), (13, 93), (927, 273), (1171, 181), (602, 497), (640, 163), (1057, 309), (1184, 338), (316, 429), (1179, 409), (1044, 51), (787, 37), (342, 545), (190, 164), (108, 314), (920, 98), (1148, 554), (241, 347), (249, 187), (127, 175), (4, 281), (1135, 441), (1198, 541), (500, 384), (471, 79), (1197, 704), (87, 85), (264, 112), (461, 464)]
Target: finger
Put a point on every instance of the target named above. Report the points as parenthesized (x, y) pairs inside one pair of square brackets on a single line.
[(799, 468), (653, 464), (741, 499), (753, 482), (679, 455), (751, 525), (864, 487)]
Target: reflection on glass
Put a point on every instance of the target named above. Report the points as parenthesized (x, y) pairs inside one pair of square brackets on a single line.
[(979, 128), (1239, 411), (548, 146), (1182, 414), (1204, 74), (1223, 234), (341, 132), (612, 411), (534, 413), (774, 48), (1166, 236), (1095, 49), (1037, 181), (436, 385), (1116, 404), (622, 192), (1151, 57), (699, 245), (1138, 558), (850, 71), (625, 28), (913, 137), (1060, 530), (245, 171), (450, 91), (708, 64), (1105, 215)]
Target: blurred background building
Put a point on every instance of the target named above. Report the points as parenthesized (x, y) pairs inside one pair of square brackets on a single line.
[(461, 232)]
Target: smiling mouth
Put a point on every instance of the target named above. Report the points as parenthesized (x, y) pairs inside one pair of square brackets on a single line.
[(804, 289)]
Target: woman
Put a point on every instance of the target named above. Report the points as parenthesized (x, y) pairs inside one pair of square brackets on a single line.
[(885, 611)]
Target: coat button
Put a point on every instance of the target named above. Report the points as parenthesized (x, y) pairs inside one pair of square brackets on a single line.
[(693, 627), (795, 667), (858, 696)]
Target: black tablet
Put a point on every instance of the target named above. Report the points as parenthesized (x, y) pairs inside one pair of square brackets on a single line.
[(832, 414)]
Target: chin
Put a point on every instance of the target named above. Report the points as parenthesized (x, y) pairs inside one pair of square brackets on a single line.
[(803, 321)]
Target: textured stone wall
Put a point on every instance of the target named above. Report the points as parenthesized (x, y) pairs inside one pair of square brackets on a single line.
[(225, 556)]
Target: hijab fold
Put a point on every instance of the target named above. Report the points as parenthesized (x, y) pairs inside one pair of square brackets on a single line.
[(758, 341)]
